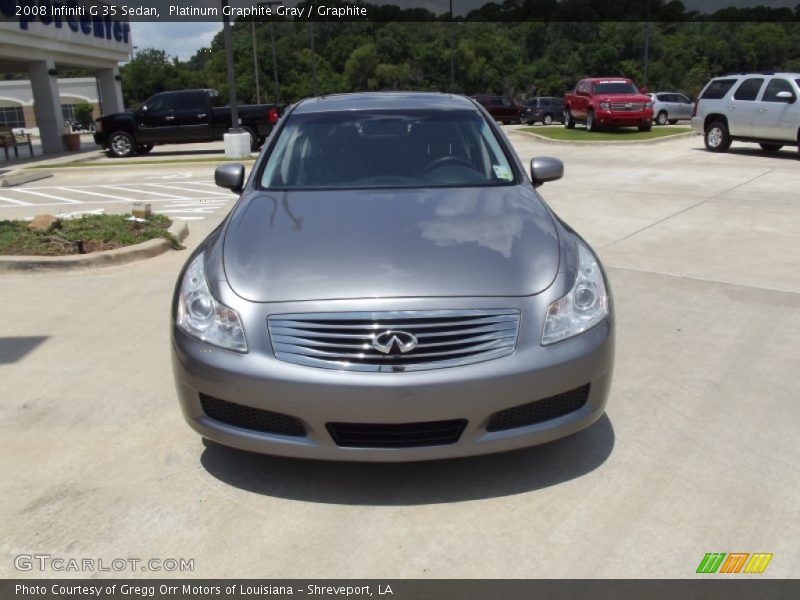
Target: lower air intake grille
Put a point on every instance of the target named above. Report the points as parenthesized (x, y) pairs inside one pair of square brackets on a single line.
[(540, 410), (254, 419), (396, 435)]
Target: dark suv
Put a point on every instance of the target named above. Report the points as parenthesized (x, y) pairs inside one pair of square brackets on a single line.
[(502, 108), (543, 108)]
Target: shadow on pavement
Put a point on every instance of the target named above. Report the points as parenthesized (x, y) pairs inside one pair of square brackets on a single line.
[(400, 484), (155, 152), (14, 348), (788, 152)]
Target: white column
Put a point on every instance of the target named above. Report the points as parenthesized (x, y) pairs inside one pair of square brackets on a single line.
[(110, 91), (47, 105)]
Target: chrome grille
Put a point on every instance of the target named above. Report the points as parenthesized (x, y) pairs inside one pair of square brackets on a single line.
[(627, 106), (344, 341)]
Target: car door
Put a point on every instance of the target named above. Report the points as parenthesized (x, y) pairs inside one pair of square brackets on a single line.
[(155, 120), (741, 106), (776, 118), (683, 107), (581, 101), (193, 116)]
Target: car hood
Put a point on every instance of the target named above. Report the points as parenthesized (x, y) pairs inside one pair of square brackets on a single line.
[(313, 245)]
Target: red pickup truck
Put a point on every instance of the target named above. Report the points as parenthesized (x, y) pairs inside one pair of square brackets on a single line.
[(611, 101)]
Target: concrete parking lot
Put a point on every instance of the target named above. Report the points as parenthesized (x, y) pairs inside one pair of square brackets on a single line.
[(698, 452)]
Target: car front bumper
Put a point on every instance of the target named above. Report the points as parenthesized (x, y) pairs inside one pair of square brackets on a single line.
[(624, 119), (318, 397)]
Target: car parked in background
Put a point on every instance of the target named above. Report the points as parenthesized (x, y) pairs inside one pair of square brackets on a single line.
[(749, 107), (671, 107), (502, 108), (180, 117), (611, 101), (544, 109), (390, 286)]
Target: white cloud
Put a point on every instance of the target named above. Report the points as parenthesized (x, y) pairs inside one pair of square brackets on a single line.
[(179, 39)]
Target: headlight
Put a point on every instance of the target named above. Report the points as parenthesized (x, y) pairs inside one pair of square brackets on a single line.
[(202, 317), (583, 307), (605, 106), (648, 104)]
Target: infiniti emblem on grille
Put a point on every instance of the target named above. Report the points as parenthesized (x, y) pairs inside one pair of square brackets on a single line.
[(395, 342)]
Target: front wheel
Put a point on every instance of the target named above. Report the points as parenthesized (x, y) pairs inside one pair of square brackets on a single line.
[(590, 124), (717, 138), (771, 148), (661, 118), (548, 120), (568, 122), (120, 145)]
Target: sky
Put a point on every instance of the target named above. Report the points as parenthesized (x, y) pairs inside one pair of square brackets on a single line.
[(184, 39)]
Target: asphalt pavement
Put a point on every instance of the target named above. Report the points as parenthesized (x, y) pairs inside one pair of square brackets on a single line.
[(698, 451)]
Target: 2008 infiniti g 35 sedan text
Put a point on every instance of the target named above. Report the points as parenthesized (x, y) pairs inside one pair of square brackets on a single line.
[(390, 286)]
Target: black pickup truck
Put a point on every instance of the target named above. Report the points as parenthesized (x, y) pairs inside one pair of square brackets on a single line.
[(179, 117)]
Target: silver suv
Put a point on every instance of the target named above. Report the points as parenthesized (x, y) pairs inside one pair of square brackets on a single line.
[(751, 107)]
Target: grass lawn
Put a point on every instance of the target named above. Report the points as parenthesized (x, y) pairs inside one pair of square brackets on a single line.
[(91, 233), (623, 134)]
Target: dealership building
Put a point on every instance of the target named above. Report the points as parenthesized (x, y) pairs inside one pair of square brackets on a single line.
[(41, 47)]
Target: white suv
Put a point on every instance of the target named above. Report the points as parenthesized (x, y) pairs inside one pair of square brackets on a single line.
[(753, 107)]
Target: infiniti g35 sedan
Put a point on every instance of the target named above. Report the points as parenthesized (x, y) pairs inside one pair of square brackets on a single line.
[(391, 287)]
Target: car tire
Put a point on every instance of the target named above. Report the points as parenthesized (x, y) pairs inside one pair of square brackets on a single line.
[(569, 123), (673, 121), (717, 138), (120, 145), (590, 122), (661, 118), (254, 145), (771, 148), (547, 119), (144, 148), (644, 128)]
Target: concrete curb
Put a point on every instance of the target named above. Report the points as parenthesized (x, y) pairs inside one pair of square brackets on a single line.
[(120, 256), (603, 142), (20, 176)]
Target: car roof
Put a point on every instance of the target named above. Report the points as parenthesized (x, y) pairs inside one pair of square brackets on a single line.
[(756, 74), (614, 79), (383, 100)]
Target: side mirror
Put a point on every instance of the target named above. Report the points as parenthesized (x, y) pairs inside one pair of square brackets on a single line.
[(545, 168), (785, 96), (231, 177)]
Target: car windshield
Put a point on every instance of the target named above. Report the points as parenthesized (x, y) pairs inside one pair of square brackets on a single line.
[(380, 149), (614, 87)]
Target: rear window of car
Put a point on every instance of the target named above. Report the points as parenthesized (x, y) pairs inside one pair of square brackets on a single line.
[(717, 89), (386, 149)]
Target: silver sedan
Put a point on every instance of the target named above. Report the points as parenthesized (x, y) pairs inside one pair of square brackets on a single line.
[(391, 287)]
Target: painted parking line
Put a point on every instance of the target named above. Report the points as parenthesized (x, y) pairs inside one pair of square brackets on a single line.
[(163, 195), (184, 202), (84, 191), (61, 199), (183, 189), (15, 202)]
